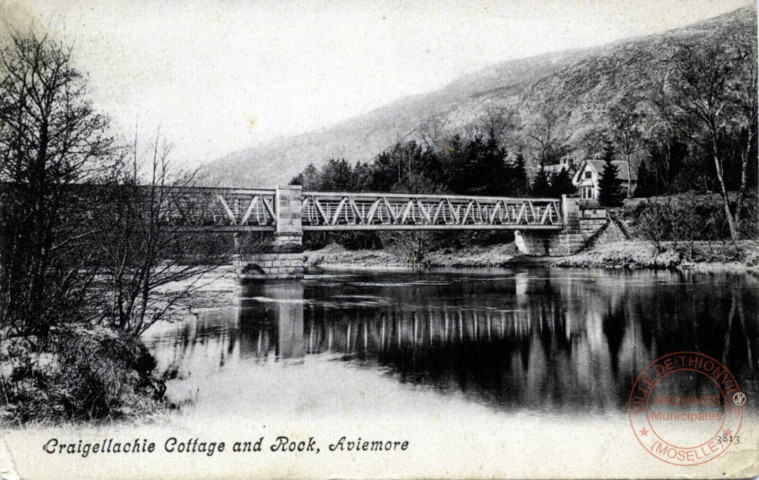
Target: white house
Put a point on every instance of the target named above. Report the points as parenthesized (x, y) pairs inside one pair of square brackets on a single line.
[(589, 173)]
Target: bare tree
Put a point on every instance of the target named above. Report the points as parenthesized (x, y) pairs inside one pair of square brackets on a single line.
[(698, 99), (497, 121), (625, 121), (744, 94), (84, 239), (593, 141), (150, 266), (543, 133), (432, 130), (416, 247), (654, 224), (51, 143)]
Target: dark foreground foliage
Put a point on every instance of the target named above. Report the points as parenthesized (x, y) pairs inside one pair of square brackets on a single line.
[(79, 374)]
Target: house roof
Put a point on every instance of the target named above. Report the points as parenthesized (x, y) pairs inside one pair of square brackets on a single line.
[(558, 167), (598, 165)]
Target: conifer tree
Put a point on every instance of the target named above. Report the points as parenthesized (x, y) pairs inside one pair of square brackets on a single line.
[(646, 182), (561, 184), (520, 184), (610, 193), (540, 184)]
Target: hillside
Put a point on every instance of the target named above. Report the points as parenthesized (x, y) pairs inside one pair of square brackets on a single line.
[(578, 84)]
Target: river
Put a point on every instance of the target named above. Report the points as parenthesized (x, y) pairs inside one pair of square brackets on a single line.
[(534, 340), (480, 373)]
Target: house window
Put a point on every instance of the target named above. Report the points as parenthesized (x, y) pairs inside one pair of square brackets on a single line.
[(588, 174)]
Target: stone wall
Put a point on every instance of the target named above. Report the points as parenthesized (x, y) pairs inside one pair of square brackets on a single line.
[(269, 266), (581, 224), (614, 231)]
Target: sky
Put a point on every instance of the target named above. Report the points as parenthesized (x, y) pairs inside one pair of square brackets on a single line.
[(221, 76)]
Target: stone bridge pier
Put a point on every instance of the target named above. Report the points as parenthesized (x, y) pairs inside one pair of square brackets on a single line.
[(582, 225), (282, 256)]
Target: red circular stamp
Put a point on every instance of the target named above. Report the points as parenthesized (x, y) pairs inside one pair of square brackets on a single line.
[(686, 408)]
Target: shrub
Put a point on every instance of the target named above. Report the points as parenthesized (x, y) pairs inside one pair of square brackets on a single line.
[(682, 220), (654, 223), (748, 224), (80, 374)]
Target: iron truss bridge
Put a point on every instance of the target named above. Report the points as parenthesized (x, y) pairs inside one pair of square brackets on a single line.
[(223, 209), (389, 211)]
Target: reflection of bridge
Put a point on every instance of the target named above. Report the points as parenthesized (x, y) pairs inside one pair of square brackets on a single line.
[(542, 226), (292, 337)]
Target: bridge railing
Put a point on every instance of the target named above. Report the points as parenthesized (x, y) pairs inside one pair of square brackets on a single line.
[(221, 208), (386, 211)]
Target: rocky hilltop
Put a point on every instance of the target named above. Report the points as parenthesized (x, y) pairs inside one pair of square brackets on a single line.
[(578, 85)]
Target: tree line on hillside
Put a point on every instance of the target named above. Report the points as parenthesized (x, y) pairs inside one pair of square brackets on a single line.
[(691, 128), (477, 166)]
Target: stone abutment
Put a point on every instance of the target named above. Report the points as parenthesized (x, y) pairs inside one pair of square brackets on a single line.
[(582, 223)]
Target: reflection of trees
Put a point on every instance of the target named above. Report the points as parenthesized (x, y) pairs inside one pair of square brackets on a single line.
[(744, 336), (539, 353), (523, 341)]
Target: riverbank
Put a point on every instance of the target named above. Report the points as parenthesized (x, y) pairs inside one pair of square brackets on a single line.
[(217, 288), (336, 257), (740, 257)]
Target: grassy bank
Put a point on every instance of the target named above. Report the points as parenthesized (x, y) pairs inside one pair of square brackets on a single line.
[(741, 256), (500, 255), (725, 256)]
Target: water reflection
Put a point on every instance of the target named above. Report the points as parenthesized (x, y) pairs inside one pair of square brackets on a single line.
[(536, 339), (287, 325)]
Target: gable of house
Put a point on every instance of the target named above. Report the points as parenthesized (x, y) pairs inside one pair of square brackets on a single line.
[(588, 170), (596, 168)]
